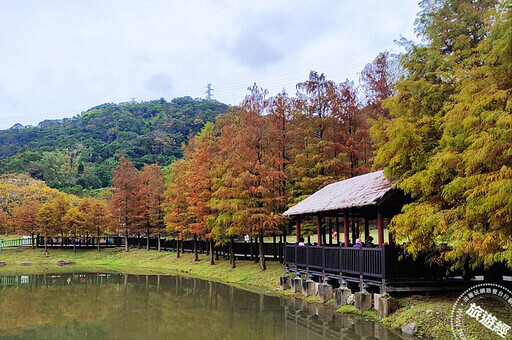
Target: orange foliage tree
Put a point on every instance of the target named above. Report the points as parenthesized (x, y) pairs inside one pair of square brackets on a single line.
[(75, 223), (123, 203), (97, 216), (150, 200), (177, 218), (25, 218), (200, 154), (51, 217), (249, 188)]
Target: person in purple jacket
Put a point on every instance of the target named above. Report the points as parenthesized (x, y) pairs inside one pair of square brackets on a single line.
[(359, 243)]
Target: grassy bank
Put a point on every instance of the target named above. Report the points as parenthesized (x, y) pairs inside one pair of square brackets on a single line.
[(432, 314)]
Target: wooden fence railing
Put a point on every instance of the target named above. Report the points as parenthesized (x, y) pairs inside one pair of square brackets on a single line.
[(242, 250)]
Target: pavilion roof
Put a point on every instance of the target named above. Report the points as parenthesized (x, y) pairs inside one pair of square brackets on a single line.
[(355, 192)]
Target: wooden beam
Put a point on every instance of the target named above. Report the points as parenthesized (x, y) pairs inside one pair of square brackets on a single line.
[(345, 229), (319, 230), (380, 225)]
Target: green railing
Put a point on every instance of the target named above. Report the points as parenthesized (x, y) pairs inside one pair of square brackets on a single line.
[(18, 242)]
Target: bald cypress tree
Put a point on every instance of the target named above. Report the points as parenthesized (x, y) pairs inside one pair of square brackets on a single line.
[(448, 142)]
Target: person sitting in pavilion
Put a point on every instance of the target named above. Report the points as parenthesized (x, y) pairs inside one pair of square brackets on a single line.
[(359, 243), (369, 242)]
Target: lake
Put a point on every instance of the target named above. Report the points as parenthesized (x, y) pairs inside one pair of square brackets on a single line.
[(117, 306)]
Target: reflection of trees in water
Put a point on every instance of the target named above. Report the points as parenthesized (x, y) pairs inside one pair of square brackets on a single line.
[(130, 306)]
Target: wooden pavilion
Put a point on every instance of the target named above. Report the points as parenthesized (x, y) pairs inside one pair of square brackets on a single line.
[(369, 198)]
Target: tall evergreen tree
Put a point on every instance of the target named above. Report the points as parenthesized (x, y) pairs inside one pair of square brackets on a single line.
[(449, 142)]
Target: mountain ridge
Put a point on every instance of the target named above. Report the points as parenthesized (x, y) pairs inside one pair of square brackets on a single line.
[(79, 153)]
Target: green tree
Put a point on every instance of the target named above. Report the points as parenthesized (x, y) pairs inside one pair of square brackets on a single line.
[(449, 141)]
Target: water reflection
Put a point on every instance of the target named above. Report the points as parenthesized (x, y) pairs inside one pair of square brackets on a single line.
[(98, 306)]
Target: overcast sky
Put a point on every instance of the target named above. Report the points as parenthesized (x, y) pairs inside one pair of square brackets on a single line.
[(59, 58)]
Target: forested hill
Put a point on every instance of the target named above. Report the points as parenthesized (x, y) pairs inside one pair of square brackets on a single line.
[(80, 152)]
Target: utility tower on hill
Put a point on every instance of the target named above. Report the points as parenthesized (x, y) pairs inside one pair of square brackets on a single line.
[(209, 91)]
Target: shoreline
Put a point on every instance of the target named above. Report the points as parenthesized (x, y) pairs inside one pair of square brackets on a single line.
[(431, 313)]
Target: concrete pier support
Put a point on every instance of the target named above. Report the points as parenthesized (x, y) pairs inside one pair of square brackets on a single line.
[(384, 304), (363, 301), (325, 292), (285, 282), (341, 296), (296, 285), (309, 288)]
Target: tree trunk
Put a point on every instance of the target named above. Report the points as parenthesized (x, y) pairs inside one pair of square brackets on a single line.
[(250, 248), (159, 241), (182, 247), (263, 265), (212, 261), (46, 243), (138, 239), (177, 248), (196, 254), (62, 239), (147, 241), (232, 253), (74, 244), (256, 256), (32, 240), (126, 246), (98, 239)]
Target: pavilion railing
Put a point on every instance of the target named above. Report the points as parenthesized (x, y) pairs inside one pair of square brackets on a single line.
[(377, 263), (369, 262)]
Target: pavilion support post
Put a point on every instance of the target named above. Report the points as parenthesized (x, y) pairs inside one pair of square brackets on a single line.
[(319, 229), (366, 228), (297, 230), (345, 229), (380, 225)]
